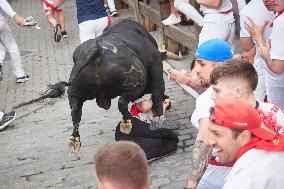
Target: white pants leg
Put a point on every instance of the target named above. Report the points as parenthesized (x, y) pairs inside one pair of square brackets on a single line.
[(10, 45), (217, 31), (2, 52), (186, 8), (260, 92), (214, 176), (92, 28), (275, 95), (1, 115), (111, 5)]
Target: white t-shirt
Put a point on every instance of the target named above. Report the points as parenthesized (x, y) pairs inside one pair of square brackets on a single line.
[(5, 6), (257, 169), (257, 11), (275, 112), (241, 4), (203, 104), (277, 50), (214, 16)]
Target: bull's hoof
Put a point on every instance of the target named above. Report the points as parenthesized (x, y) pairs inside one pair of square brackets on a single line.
[(125, 126), (74, 144)]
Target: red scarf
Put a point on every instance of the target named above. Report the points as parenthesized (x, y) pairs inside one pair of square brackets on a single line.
[(51, 6)]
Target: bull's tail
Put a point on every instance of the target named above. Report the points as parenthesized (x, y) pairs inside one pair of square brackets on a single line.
[(55, 91)]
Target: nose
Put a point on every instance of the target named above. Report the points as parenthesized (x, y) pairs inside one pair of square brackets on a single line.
[(211, 139)]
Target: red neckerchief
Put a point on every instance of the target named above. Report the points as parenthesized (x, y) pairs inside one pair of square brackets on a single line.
[(53, 8), (134, 110), (278, 14)]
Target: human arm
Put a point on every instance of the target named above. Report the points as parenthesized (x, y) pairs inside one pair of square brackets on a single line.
[(214, 4), (6, 7), (200, 154), (145, 105), (180, 77)]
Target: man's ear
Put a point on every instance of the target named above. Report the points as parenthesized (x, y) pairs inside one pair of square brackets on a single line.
[(238, 92), (245, 137)]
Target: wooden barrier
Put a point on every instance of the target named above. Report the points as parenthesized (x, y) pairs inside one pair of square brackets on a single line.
[(176, 38)]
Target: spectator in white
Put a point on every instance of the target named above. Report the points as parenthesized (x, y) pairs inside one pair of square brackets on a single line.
[(7, 42), (6, 119), (92, 18), (110, 7), (239, 134), (259, 11), (174, 17), (272, 52), (242, 4), (209, 55), (218, 19), (122, 165)]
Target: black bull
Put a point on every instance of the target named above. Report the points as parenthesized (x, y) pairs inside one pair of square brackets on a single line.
[(124, 61)]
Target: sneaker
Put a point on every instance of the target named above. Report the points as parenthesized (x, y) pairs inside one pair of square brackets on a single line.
[(7, 119), (113, 13), (107, 10), (64, 34), (23, 79), (172, 19), (1, 73), (57, 33)]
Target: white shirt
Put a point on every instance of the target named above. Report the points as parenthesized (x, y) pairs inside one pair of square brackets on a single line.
[(277, 50), (5, 6), (257, 11), (241, 4), (276, 113), (257, 169), (203, 104), (214, 16)]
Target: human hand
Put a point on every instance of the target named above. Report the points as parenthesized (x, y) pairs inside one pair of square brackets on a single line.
[(178, 77), (20, 21), (256, 31), (264, 51), (249, 55)]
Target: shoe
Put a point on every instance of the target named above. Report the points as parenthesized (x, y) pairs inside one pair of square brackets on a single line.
[(113, 13), (107, 10), (57, 33), (1, 73), (23, 79), (172, 19), (7, 119), (64, 34)]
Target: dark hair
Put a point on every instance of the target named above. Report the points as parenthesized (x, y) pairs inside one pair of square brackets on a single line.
[(170, 103), (234, 69), (192, 64), (247, 1), (122, 163)]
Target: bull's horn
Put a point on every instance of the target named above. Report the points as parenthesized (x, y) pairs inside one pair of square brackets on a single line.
[(170, 55)]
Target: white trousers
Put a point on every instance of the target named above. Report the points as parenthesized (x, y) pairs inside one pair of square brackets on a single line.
[(92, 28), (111, 5), (7, 42), (1, 115), (191, 13), (214, 177), (260, 91), (217, 31)]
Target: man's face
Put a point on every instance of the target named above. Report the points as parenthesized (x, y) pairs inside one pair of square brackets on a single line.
[(203, 68), (222, 90), (278, 5), (224, 142), (268, 4)]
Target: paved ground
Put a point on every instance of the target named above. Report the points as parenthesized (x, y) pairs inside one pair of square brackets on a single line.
[(34, 151)]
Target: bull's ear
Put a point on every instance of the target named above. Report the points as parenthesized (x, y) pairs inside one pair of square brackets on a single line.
[(82, 56)]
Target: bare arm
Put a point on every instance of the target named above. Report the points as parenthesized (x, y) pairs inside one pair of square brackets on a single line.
[(214, 4), (200, 155)]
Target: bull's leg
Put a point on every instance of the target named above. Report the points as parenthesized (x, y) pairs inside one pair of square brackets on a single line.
[(158, 90), (125, 124), (76, 105)]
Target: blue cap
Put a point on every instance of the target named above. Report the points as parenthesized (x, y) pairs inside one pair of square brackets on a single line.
[(215, 50)]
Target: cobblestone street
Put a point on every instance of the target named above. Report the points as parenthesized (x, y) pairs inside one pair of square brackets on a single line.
[(34, 148)]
